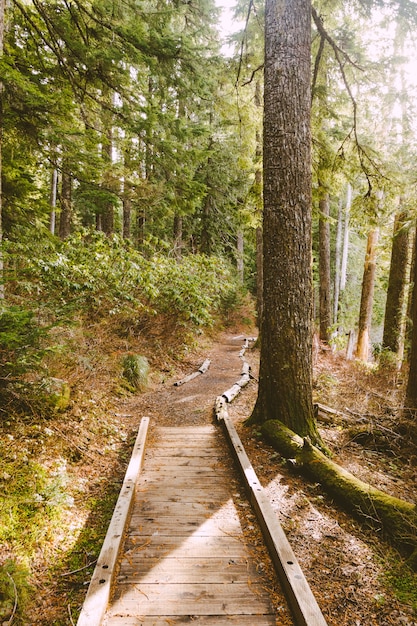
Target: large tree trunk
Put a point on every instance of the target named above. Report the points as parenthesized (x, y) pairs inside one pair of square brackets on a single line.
[(65, 219), (367, 297), (394, 308), (285, 385), (396, 517), (324, 268)]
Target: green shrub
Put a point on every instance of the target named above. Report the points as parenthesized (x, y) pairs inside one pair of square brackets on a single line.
[(21, 352), (98, 276)]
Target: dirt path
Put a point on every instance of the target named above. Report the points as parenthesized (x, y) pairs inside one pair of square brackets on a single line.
[(192, 403)]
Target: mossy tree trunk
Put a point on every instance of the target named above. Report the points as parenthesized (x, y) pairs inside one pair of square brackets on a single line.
[(367, 297), (65, 218), (285, 382), (396, 517), (394, 308)]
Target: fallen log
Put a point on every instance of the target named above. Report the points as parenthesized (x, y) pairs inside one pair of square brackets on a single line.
[(397, 518), (201, 370)]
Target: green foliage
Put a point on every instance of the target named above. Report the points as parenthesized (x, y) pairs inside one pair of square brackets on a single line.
[(135, 371), (20, 336), (31, 494), (403, 580), (95, 276)]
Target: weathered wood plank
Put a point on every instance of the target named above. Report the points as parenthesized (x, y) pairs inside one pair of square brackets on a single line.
[(201, 547), (183, 570), (195, 620), (183, 494), (191, 599), (186, 430), (197, 461), (150, 507), (190, 450), (182, 480), (184, 526)]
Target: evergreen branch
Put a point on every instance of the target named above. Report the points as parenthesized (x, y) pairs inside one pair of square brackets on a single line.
[(341, 57), (317, 65), (248, 82), (337, 49)]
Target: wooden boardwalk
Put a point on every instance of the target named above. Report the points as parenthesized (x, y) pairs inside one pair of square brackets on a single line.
[(185, 559)]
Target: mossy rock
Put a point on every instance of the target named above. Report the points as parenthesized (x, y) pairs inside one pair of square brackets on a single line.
[(135, 372), (57, 393)]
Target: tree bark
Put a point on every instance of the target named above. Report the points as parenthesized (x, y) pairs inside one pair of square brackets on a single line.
[(207, 211), (396, 517), (337, 262), (65, 218), (324, 268), (345, 249), (285, 385), (259, 275), (394, 308), (368, 283), (259, 234), (54, 186), (410, 400), (127, 215)]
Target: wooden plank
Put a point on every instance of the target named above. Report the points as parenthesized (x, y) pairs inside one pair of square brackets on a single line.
[(185, 494), (198, 547), (211, 463), (203, 480), (186, 430), (185, 599), (195, 620), (184, 526), (161, 471), (197, 439), (183, 570), (99, 590), (175, 509), (302, 601), (174, 452)]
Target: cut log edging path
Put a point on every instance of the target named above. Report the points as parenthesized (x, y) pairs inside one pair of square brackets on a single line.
[(175, 551)]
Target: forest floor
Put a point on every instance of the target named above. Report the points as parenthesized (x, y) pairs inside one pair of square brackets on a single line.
[(357, 578)]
